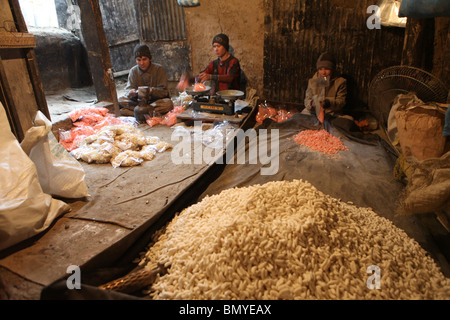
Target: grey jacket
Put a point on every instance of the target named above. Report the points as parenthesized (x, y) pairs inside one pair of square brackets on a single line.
[(155, 77), (335, 94)]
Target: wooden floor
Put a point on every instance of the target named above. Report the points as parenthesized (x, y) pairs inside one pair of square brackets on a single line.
[(123, 204)]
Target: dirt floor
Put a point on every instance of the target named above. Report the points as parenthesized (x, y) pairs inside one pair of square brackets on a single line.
[(62, 102)]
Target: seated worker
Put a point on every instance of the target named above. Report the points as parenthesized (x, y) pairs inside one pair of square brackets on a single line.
[(224, 72), (145, 74), (326, 87)]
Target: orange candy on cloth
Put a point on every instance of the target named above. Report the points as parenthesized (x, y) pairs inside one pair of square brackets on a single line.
[(272, 113), (321, 141), (169, 119), (86, 122)]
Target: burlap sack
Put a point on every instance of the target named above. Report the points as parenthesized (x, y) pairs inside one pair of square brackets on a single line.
[(420, 130), (428, 188)]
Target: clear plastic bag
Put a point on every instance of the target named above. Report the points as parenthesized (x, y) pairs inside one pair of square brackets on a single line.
[(389, 10)]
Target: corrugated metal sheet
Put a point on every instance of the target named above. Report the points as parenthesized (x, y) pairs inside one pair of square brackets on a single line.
[(161, 20), (157, 23), (119, 19), (121, 31), (297, 31)]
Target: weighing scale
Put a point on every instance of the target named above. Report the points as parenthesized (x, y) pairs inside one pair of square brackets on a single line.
[(222, 103)]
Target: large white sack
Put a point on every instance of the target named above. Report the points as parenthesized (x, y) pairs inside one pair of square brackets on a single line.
[(25, 210), (58, 171)]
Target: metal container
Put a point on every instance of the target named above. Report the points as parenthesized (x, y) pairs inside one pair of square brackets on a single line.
[(143, 93), (230, 94)]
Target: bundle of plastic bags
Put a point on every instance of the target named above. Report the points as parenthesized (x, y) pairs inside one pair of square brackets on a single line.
[(86, 122)]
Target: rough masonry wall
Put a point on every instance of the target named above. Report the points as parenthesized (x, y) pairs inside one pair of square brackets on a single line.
[(242, 21)]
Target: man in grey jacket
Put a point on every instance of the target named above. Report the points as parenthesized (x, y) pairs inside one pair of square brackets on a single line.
[(145, 74)]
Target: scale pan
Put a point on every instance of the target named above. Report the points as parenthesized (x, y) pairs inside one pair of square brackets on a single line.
[(190, 90), (230, 94)]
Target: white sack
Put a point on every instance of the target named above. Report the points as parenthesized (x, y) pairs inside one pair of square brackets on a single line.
[(25, 210), (59, 173)]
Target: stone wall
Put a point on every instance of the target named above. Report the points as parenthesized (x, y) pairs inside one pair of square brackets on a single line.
[(61, 58), (242, 21)]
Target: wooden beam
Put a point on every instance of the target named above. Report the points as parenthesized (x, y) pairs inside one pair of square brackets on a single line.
[(16, 40), (98, 52), (9, 105), (31, 62), (441, 61), (121, 73), (119, 42), (418, 43)]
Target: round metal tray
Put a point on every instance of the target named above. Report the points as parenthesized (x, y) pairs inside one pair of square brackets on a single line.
[(230, 94), (190, 90)]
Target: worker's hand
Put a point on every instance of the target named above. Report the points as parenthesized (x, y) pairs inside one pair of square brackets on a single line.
[(322, 104), (313, 105), (325, 104), (204, 76), (132, 93), (184, 83)]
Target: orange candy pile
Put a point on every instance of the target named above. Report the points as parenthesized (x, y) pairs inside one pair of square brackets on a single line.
[(320, 140)]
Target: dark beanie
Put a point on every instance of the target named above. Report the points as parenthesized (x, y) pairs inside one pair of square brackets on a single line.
[(223, 40), (326, 60), (142, 50)]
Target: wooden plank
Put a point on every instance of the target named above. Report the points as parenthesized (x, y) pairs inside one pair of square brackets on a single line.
[(19, 70), (123, 203), (31, 61), (17, 40), (20, 87), (68, 242), (36, 83), (121, 73), (126, 40), (9, 105)]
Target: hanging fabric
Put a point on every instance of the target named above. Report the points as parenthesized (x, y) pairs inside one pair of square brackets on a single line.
[(424, 8), (189, 3), (389, 14)]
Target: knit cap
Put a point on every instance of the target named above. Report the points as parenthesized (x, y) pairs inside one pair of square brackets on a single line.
[(142, 50), (326, 60), (223, 40)]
